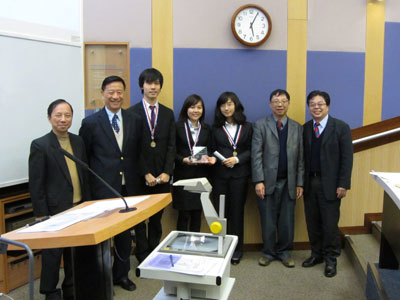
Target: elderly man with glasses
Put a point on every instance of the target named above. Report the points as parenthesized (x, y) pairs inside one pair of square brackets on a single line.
[(277, 169)]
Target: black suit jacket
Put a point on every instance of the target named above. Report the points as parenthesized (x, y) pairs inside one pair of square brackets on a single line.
[(336, 156), (105, 157), (49, 179), (182, 150), (221, 144), (161, 158), (183, 199)]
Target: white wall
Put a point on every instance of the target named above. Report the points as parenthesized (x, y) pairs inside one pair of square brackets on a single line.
[(118, 21), (337, 25)]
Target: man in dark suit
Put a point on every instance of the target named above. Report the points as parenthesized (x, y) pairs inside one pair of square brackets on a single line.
[(112, 137), (278, 172), (328, 159), (158, 155), (56, 183)]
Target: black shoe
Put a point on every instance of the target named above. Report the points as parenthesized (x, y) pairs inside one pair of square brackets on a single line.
[(330, 270), (236, 258), (126, 284), (312, 261), (54, 296)]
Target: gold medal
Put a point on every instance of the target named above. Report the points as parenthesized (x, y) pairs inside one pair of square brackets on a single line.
[(153, 144), (234, 153)]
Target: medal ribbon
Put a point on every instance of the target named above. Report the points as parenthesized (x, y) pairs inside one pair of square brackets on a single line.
[(235, 140), (152, 129), (196, 138)]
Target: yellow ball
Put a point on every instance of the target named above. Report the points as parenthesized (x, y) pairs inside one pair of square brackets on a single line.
[(215, 227)]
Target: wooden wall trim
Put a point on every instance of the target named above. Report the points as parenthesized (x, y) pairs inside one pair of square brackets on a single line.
[(376, 128)]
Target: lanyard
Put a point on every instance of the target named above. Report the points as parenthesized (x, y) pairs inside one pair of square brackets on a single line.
[(234, 141), (152, 129), (195, 140)]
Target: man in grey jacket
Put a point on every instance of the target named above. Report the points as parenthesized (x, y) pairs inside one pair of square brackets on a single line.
[(278, 173)]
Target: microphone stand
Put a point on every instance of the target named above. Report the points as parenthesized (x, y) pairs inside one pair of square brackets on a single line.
[(85, 166)]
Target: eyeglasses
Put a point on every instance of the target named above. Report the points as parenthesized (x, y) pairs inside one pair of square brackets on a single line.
[(276, 101), (319, 104)]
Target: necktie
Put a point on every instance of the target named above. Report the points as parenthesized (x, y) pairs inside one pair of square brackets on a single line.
[(279, 125), (316, 130), (114, 123), (153, 115)]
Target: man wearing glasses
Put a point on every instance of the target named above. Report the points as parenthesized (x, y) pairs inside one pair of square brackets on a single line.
[(277, 171), (328, 160)]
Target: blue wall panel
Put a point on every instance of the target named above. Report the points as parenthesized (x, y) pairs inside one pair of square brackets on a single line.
[(391, 72), (140, 59), (341, 74), (251, 74)]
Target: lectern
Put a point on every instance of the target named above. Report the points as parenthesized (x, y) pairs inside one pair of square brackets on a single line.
[(90, 240), (389, 256)]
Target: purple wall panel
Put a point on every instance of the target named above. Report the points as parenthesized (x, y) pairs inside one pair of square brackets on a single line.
[(251, 74), (341, 75), (391, 72)]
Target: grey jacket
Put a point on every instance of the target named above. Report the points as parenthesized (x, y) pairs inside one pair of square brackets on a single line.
[(265, 154)]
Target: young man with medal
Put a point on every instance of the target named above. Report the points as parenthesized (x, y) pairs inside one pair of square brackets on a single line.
[(158, 153), (278, 172), (231, 137)]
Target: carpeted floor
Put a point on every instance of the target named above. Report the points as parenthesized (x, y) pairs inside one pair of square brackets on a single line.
[(274, 282)]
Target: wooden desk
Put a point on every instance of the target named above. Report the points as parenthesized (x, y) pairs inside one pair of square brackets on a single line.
[(90, 240)]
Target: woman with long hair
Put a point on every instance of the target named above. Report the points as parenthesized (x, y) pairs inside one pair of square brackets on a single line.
[(232, 139)]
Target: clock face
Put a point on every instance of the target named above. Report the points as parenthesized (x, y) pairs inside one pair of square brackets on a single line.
[(251, 25)]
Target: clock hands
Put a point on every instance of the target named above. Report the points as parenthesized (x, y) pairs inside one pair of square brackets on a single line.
[(251, 24)]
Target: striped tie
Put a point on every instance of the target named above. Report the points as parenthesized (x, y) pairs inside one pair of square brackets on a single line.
[(316, 130), (114, 123)]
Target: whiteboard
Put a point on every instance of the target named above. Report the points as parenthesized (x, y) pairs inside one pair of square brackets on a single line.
[(32, 74)]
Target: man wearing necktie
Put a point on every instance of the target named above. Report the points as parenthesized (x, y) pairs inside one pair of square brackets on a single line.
[(277, 171), (328, 160), (158, 150), (112, 138)]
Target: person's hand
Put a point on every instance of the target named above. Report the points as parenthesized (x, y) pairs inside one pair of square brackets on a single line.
[(230, 162), (163, 178), (212, 160), (188, 161), (340, 192), (299, 191), (260, 190), (150, 179)]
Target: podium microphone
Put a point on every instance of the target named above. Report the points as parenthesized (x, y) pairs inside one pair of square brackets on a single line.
[(86, 167)]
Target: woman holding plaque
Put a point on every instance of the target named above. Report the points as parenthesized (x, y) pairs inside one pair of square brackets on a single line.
[(193, 139), (231, 137)]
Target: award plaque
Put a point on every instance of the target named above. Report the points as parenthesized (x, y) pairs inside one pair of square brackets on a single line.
[(200, 155)]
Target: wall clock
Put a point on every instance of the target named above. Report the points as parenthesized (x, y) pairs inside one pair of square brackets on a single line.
[(251, 25)]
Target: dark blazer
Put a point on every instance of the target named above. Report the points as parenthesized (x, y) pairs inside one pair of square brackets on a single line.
[(49, 179), (221, 144), (105, 157), (161, 158), (183, 199), (336, 156)]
